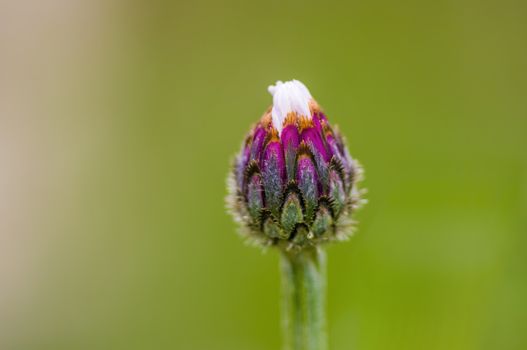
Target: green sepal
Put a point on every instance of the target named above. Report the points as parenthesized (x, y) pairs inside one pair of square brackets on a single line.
[(308, 186), (255, 196), (336, 192), (272, 229), (291, 213), (307, 181), (322, 222), (301, 235)]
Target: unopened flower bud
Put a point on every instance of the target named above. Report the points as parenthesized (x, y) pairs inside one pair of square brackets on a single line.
[(293, 184)]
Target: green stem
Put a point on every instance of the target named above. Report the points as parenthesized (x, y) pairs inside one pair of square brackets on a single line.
[(303, 299)]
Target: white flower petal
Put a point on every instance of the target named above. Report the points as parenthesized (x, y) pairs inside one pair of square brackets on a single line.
[(291, 96)]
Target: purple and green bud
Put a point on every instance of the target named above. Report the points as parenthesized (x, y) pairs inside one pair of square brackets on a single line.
[(293, 184)]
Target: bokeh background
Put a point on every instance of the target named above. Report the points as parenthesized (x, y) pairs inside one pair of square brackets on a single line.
[(118, 120)]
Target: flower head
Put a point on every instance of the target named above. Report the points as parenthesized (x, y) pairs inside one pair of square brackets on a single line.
[(293, 184)]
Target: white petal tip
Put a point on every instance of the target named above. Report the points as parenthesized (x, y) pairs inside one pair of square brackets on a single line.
[(272, 88), (291, 96)]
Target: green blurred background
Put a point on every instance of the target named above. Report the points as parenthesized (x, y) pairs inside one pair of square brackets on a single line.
[(118, 121)]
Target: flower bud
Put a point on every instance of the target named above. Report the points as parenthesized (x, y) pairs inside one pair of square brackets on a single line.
[(293, 184)]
